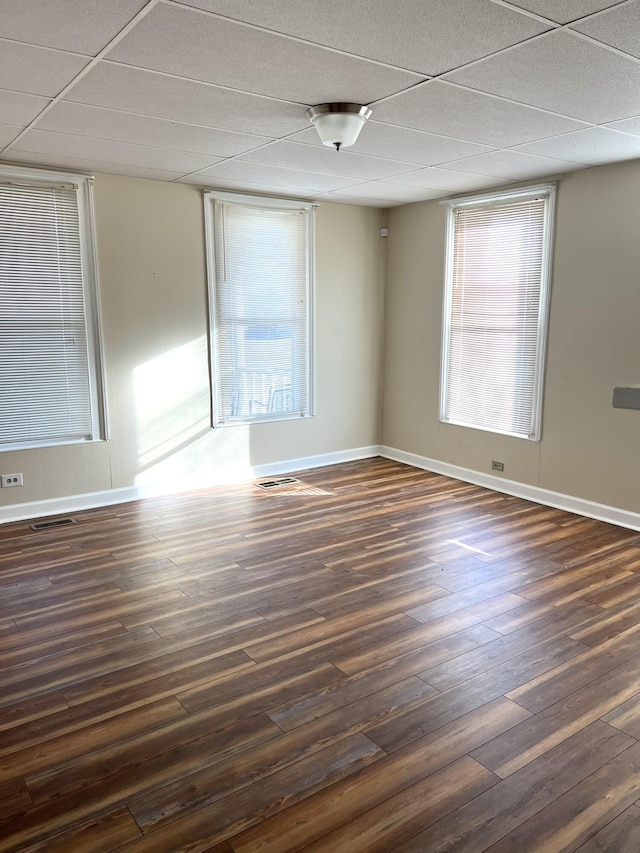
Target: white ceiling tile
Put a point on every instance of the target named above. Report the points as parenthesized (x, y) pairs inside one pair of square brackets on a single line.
[(389, 192), (422, 36), (334, 198), (564, 11), (18, 108), (37, 70), (101, 123), (77, 164), (534, 101), (327, 161), (627, 125), (265, 175), (248, 187), (8, 133), (619, 27), (440, 108), (561, 72), (106, 151), (592, 146), (191, 44), (83, 26), (137, 91), (513, 165), (445, 179), (402, 143)]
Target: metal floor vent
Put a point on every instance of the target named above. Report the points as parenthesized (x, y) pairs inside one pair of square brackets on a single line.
[(59, 522), (290, 486), (273, 484)]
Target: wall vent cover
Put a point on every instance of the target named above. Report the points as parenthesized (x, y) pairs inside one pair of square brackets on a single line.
[(59, 522)]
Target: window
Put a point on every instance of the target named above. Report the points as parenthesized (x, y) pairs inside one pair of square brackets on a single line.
[(260, 287), (495, 311), (50, 390)]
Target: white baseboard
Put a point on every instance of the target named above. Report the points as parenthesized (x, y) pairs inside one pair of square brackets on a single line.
[(72, 503), (579, 506), (76, 503), (109, 497), (320, 461)]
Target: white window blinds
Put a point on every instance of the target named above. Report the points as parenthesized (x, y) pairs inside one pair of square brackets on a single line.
[(48, 389), (261, 309), (495, 312)]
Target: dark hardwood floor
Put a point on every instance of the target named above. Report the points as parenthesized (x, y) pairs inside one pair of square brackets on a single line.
[(381, 659)]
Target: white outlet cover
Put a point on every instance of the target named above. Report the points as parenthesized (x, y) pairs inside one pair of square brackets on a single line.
[(11, 480)]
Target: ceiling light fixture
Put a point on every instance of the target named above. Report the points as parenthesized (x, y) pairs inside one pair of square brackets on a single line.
[(338, 125)]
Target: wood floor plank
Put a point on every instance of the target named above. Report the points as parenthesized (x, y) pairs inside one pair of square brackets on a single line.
[(556, 723), (591, 664), (99, 835), (622, 835), (21, 713), (433, 712), (410, 811), (97, 783), (499, 651), (209, 784), (26, 650), (465, 616), (360, 684), (236, 812), (139, 673), (387, 659), (504, 807), (608, 625), (571, 819), (7, 626), (626, 717), (157, 755), (72, 665), (324, 812), (14, 799), (382, 598), (36, 757), (270, 676)]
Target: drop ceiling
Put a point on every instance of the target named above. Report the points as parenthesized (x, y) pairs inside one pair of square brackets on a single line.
[(466, 94)]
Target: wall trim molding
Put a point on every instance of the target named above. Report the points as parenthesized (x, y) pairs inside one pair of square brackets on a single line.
[(109, 497), (579, 506)]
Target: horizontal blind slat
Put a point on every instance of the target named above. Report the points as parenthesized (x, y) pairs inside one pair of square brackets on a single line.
[(494, 314), (44, 364), (262, 291)]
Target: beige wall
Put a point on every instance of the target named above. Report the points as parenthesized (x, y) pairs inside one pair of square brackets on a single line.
[(588, 449), (152, 283)]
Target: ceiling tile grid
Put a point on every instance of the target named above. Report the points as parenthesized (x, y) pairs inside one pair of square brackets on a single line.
[(465, 94), (421, 36), (79, 26)]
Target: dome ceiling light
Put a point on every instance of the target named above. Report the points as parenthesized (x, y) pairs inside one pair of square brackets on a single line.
[(338, 125)]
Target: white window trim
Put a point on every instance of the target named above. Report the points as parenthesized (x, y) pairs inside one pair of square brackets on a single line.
[(209, 198), (487, 199), (97, 387)]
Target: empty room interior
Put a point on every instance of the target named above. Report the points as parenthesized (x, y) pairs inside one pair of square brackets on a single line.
[(319, 426)]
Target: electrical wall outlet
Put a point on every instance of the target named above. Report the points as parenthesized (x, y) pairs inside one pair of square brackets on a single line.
[(497, 466), (11, 480)]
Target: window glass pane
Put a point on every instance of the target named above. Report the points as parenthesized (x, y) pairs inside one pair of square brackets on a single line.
[(47, 387), (261, 311), (496, 314)]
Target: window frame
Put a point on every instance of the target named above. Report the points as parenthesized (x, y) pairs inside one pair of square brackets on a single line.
[(210, 197), (28, 176), (548, 191)]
